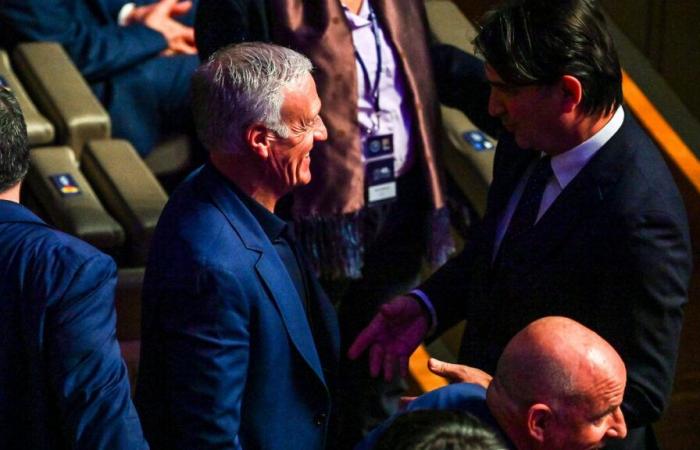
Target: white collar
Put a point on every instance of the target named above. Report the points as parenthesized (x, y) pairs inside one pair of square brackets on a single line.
[(568, 164)]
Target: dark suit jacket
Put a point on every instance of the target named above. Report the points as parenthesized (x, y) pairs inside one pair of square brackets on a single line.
[(612, 252), (228, 357), (87, 29), (145, 94), (63, 383)]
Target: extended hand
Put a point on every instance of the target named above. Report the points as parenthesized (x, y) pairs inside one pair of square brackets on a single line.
[(392, 336), (457, 373), (159, 16)]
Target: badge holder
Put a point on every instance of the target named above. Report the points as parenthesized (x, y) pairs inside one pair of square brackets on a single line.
[(380, 179)]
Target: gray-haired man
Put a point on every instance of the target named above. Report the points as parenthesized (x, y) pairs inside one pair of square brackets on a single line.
[(239, 342)]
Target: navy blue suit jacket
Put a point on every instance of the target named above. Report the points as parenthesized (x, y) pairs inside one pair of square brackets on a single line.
[(145, 94), (87, 29), (228, 358), (612, 252), (63, 383)]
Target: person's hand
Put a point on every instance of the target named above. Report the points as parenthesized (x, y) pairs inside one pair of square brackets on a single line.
[(392, 336), (457, 373), (160, 17)]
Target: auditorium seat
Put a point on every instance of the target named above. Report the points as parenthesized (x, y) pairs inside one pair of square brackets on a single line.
[(470, 166), (121, 180), (120, 199)]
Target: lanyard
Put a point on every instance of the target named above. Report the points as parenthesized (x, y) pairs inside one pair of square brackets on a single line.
[(374, 89)]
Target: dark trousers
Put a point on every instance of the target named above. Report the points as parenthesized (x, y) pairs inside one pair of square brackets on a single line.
[(395, 243)]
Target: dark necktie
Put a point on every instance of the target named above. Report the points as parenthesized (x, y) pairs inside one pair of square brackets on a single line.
[(525, 213)]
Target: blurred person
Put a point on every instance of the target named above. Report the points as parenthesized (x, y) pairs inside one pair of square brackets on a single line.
[(239, 342), (375, 208), (557, 386), (438, 430), (63, 383), (583, 217), (136, 56)]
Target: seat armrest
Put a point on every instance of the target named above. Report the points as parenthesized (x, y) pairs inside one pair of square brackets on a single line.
[(39, 130), (80, 214), (129, 190), (61, 93), (470, 167)]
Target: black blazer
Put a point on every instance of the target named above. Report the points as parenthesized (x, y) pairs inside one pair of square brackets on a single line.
[(612, 252)]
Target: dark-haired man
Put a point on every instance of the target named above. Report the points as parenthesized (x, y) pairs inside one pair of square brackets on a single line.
[(583, 219), (63, 383)]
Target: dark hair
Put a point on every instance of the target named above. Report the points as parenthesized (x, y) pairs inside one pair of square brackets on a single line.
[(438, 430), (539, 41), (14, 151)]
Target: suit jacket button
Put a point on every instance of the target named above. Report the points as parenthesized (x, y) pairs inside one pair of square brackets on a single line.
[(320, 419)]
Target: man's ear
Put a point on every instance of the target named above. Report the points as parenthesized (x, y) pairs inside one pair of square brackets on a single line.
[(573, 92), (539, 418), (257, 136)]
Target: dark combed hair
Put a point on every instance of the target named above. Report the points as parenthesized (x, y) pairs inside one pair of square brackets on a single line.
[(438, 430), (14, 151), (539, 41)]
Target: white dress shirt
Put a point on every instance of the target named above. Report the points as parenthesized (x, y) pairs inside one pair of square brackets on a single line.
[(565, 167)]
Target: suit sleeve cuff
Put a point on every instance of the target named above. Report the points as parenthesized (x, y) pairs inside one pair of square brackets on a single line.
[(427, 305), (124, 13)]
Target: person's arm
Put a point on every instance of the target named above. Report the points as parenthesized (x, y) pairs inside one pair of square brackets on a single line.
[(659, 261), (205, 329), (461, 84), (402, 323), (392, 336), (87, 374), (160, 16), (219, 23), (98, 50)]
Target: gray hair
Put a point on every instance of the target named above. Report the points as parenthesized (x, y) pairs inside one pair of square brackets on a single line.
[(240, 85)]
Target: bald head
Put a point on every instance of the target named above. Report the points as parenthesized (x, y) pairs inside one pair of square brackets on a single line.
[(558, 368)]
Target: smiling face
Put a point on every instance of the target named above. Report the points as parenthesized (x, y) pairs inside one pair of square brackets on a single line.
[(531, 113), (289, 158)]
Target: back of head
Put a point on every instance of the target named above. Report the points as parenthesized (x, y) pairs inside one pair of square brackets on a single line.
[(438, 430), (539, 41), (240, 85), (14, 151)]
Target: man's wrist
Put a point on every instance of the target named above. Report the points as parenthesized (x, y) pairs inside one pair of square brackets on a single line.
[(427, 307)]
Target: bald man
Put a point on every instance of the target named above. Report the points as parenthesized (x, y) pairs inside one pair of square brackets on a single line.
[(558, 385)]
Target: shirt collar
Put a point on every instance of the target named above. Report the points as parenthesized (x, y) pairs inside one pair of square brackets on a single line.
[(272, 225), (568, 164), (361, 19)]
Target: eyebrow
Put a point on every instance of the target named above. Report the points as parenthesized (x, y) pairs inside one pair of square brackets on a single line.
[(608, 411)]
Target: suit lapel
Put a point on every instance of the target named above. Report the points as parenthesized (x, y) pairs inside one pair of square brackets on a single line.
[(282, 291), (269, 267), (581, 197)]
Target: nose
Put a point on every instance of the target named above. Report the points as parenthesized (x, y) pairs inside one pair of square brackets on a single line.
[(320, 131), (496, 108), (618, 427)]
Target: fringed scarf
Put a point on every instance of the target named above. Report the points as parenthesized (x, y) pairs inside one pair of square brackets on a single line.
[(329, 211)]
